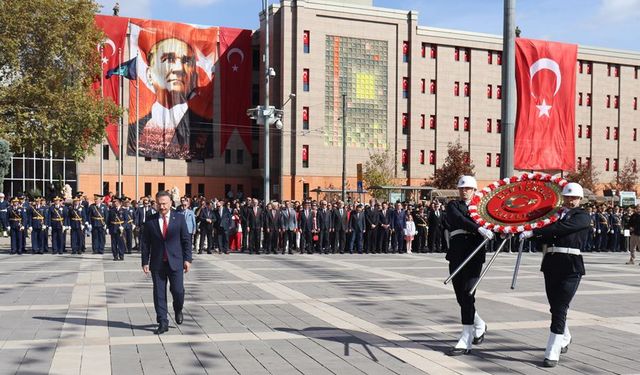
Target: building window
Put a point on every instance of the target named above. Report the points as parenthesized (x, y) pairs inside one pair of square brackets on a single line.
[(579, 98), (432, 86), (423, 85), (305, 190), (467, 55), (306, 40), (147, 159), (499, 58), (579, 131), (405, 159), (467, 89), (489, 57), (607, 132), (588, 135), (305, 156), (422, 157), (489, 126), (423, 120), (579, 161), (609, 70), (255, 161), (434, 52), (499, 92), (305, 80), (147, 189), (405, 51), (423, 50), (608, 101), (456, 123), (635, 170), (635, 74), (489, 91), (227, 156), (589, 66), (105, 152), (405, 87), (588, 161), (497, 160), (432, 157), (635, 103), (432, 122), (615, 165), (615, 133), (305, 118), (466, 157), (488, 159), (456, 54), (201, 189), (456, 88), (616, 101), (579, 66), (616, 71), (606, 164), (498, 126), (588, 99), (187, 190), (240, 190), (240, 156), (227, 191), (405, 123), (161, 186), (467, 124), (635, 134)]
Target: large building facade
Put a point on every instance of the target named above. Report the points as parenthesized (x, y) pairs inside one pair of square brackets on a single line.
[(408, 89)]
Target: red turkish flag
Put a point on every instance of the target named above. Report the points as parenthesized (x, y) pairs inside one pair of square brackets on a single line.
[(546, 81), (115, 30)]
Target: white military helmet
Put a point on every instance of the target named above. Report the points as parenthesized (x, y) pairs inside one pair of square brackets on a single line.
[(572, 189), (467, 182)]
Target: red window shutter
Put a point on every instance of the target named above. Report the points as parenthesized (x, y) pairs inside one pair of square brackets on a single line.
[(467, 54), (421, 156), (588, 68), (423, 85), (497, 160), (579, 98), (606, 164), (616, 71), (489, 125), (635, 103), (456, 54), (579, 161), (467, 124), (615, 133), (432, 122), (616, 100), (607, 132), (615, 165), (489, 91), (588, 161), (467, 88), (405, 47), (456, 88), (432, 86), (635, 134), (488, 159), (434, 52), (609, 70), (405, 157), (580, 67), (588, 131), (305, 113), (498, 126), (422, 121), (608, 101), (305, 38), (405, 83), (499, 92), (579, 131), (499, 58), (305, 76), (405, 120), (423, 50), (432, 157), (588, 99), (456, 123), (305, 153), (489, 57), (467, 159)]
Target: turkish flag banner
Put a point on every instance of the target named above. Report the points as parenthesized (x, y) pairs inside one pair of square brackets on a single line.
[(546, 82)]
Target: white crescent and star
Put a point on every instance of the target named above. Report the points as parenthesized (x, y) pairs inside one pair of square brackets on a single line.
[(109, 42), (545, 64), (239, 52)]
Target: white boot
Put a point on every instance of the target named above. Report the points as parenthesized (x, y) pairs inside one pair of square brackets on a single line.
[(566, 339), (479, 329), (465, 342), (554, 346)]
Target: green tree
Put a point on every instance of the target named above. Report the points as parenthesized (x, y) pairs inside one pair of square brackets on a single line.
[(456, 164), (5, 160), (627, 178), (379, 170), (586, 175), (48, 62)]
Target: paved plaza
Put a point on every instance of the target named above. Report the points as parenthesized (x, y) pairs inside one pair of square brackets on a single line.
[(305, 314)]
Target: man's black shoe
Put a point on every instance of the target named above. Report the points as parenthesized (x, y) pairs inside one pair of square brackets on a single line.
[(162, 328), (179, 317), (454, 352), (565, 349), (549, 363), (480, 340)]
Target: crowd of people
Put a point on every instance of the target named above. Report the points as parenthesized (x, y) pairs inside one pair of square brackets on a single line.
[(250, 226)]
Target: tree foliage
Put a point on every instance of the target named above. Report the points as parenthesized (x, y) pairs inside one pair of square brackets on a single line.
[(627, 179), (456, 164), (586, 175), (379, 170), (5, 159), (48, 62)]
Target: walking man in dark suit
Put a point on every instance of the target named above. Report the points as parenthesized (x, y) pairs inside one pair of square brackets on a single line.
[(166, 253), (340, 225), (357, 225)]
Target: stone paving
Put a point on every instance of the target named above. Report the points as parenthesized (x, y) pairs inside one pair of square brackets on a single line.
[(305, 314)]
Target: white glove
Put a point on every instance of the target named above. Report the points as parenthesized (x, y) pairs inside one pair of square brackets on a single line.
[(526, 234), (89, 227), (121, 228), (486, 233), (21, 227), (133, 227), (44, 227), (81, 226), (599, 231)]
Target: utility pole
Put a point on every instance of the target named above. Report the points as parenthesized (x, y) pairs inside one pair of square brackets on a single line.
[(344, 147), (267, 161), (508, 104)]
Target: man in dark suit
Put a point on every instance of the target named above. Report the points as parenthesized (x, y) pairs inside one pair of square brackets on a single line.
[(254, 227), (222, 219), (435, 220), (398, 221), (306, 227), (166, 252), (357, 225), (372, 219), (340, 225), (325, 226), (206, 215), (384, 229)]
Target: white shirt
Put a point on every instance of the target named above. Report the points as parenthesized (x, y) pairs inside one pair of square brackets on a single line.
[(161, 222), (167, 118)]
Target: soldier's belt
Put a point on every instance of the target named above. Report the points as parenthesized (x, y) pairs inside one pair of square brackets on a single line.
[(15, 219), (422, 225), (97, 218), (57, 219), (457, 232), (74, 219), (562, 250), (117, 222)]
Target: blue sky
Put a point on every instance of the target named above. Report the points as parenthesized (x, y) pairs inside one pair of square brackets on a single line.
[(600, 23)]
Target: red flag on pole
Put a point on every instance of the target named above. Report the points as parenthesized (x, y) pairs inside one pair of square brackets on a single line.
[(546, 82)]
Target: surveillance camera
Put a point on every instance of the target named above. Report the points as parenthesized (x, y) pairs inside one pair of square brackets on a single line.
[(272, 72), (278, 124)]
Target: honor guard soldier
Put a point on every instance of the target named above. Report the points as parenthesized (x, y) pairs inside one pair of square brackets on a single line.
[(420, 219), (17, 226), (602, 229), (465, 236), (615, 229), (118, 217), (98, 216), (562, 266), (59, 220), (4, 215), (78, 220), (129, 225), (39, 221)]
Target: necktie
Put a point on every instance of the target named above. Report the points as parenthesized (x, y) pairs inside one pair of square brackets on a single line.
[(165, 227)]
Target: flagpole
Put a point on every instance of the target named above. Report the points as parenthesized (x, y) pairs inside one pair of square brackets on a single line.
[(508, 103), (137, 125), (119, 187), (101, 191)]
